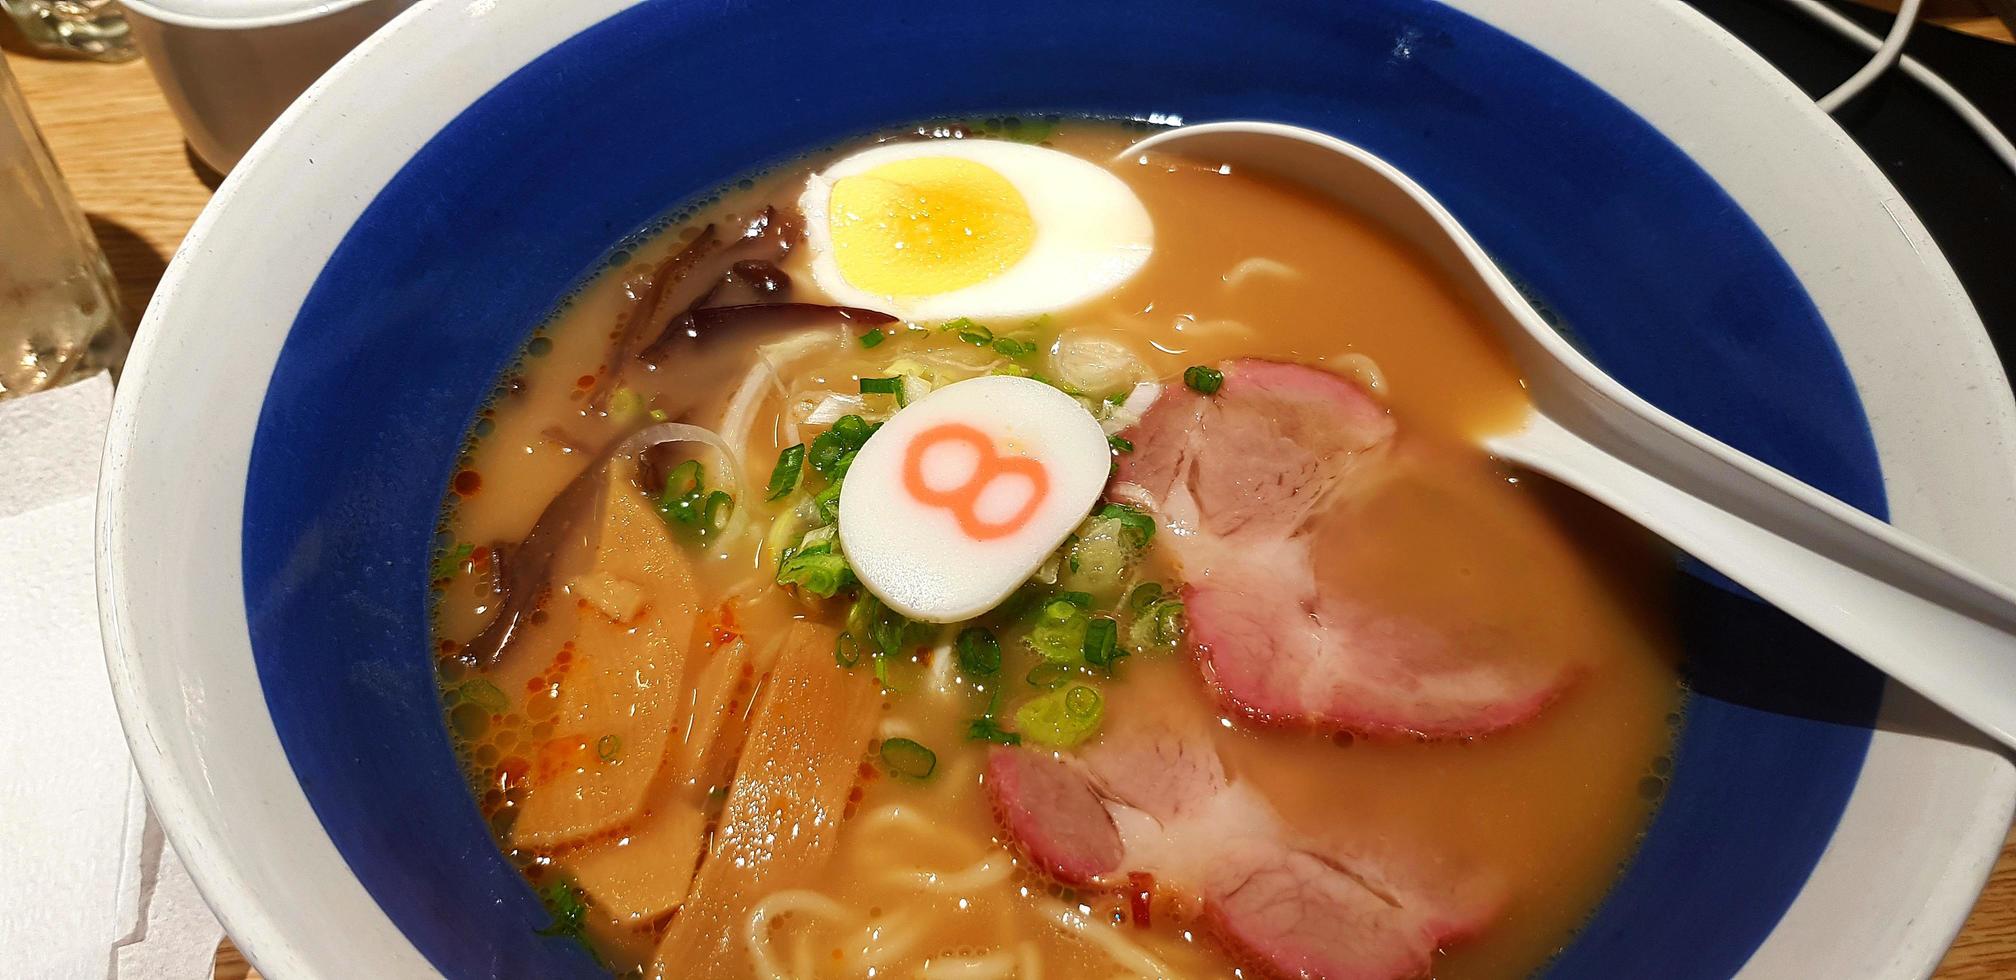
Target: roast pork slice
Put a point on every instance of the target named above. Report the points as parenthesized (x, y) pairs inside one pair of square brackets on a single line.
[(1238, 478), (1159, 803)]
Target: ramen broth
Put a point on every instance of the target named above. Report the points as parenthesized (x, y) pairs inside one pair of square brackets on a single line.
[(921, 876)]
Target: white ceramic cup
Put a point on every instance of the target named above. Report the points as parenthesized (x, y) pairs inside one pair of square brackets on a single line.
[(228, 67)]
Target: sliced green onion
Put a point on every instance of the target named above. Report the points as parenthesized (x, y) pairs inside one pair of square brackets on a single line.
[(1168, 623), (1080, 600), (873, 338), (882, 386), (986, 729), (1010, 347), (821, 573), (1203, 380), (1143, 596), (848, 433), (570, 913), (977, 335), (1120, 445), (1138, 526), (1059, 632), (908, 759), (958, 324), (718, 509), (450, 563), (1082, 702), (685, 480), (979, 651), (485, 695), (607, 746), (1047, 674), (1102, 643), (784, 476), (854, 430), (847, 650), (827, 502), (1063, 718)]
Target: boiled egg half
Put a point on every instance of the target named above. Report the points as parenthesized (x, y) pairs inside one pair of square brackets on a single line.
[(945, 228), (962, 496)]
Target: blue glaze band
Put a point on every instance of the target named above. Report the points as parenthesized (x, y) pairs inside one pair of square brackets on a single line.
[(432, 292)]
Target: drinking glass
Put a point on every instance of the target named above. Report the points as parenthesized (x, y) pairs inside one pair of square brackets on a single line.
[(86, 28), (59, 314)]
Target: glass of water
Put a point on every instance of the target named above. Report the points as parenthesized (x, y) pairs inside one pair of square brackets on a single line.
[(85, 28), (59, 313)]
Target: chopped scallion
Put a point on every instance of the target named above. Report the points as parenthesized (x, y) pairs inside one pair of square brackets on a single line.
[(1120, 445), (715, 514), (450, 563), (1144, 595), (1102, 643), (907, 758), (1139, 528), (882, 386), (784, 476), (607, 746), (1010, 347), (1063, 718), (821, 573), (685, 480), (977, 335), (873, 338), (1047, 674), (485, 695), (847, 650), (1203, 380), (979, 651), (986, 729)]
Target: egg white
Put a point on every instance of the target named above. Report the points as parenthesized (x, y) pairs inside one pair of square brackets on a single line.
[(1091, 232)]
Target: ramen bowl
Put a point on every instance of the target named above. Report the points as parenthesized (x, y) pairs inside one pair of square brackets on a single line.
[(308, 372)]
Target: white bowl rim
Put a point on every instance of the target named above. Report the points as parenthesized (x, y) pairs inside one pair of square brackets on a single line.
[(1603, 42)]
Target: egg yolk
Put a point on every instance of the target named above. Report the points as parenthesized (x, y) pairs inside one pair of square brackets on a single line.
[(927, 225)]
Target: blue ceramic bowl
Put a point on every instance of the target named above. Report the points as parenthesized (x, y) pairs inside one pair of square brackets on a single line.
[(382, 255)]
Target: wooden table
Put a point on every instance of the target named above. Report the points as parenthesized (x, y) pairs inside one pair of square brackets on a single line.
[(124, 158)]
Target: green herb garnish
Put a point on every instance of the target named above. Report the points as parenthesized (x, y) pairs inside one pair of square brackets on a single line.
[(449, 563), (1102, 643), (1137, 527), (873, 338), (907, 758), (822, 573), (979, 651), (847, 650), (570, 913), (607, 746), (882, 386), (483, 694), (688, 508), (986, 729), (784, 476), (1047, 674), (1010, 347), (849, 433), (1061, 718), (1203, 380), (1120, 445)]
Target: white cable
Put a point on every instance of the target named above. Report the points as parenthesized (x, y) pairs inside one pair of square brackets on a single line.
[(1973, 117), (1886, 55)]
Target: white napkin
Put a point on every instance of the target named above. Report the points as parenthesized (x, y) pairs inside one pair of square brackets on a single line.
[(88, 887)]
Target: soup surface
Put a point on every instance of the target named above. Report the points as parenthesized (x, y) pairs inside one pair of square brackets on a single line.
[(707, 771)]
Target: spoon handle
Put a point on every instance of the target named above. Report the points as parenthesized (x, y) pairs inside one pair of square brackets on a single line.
[(1918, 615)]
